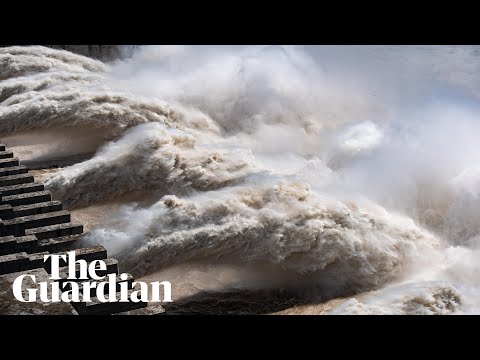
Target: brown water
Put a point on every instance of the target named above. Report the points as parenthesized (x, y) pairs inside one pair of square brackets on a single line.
[(346, 168)]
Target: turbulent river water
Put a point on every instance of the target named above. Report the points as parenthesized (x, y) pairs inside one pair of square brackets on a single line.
[(334, 179)]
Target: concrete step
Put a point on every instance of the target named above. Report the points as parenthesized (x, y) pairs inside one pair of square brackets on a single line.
[(6, 212), (27, 198), (37, 260), (55, 231), (4, 163), (6, 154), (8, 245), (2, 147), (17, 226), (11, 244), (149, 310), (63, 243), (14, 263), (95, 307), (20, 262), (93, 291), (16, 179), (34, 209), (41, 220), (13, 170), (30, 244), (88, 254), (20, 189), (112, 268)]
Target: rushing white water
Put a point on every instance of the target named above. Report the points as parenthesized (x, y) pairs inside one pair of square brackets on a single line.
[(354, 167)]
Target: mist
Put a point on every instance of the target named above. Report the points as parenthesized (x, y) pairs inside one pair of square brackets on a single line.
[(344, 164)]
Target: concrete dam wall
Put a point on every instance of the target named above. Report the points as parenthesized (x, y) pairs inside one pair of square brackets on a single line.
[(100, 52), (32, 225)]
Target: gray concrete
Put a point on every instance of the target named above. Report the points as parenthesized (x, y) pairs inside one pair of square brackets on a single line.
[(149, 310), (31, 226), (118, 281), (112, 268), (20, 189), (95, 307), (8, 245), (28, 244), (13, 170), (88, 254), (6, 154), (10, 305), (34, 209), (14, 262), (37, 260), (21, 262), (28, 198), (6, 212), (12, 244), (55, 230), (18, 226), (16, 179), (58, 244), (101, 52), (8, 162)]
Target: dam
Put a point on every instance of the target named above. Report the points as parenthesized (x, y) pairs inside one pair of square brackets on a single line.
[(32, 225)]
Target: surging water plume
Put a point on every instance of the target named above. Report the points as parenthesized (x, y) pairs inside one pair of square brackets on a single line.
[(149, 158), (355, 164), (19, 61), (413, 299), (361, 246), (69, 92)]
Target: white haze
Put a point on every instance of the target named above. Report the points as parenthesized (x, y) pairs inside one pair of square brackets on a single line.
[(357, 167)]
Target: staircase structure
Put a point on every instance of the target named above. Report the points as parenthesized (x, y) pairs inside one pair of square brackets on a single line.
[(32, 225)]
